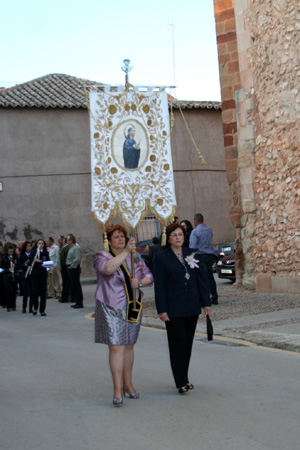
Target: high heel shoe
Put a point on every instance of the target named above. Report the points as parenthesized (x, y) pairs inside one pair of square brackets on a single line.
[(118, 401), (183, 390), (132, 395)]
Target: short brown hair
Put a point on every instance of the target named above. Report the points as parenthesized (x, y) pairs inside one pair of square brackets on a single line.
[(72, 238), (112, 228), (171, 228)]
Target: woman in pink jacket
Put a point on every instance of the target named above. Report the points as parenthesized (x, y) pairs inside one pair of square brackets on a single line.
[(117, 322)]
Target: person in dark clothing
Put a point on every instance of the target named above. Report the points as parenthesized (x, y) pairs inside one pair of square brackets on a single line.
[(181, 290), (154, 248), (66, 286), (201, 239), (38, 276), (2, 291), (188, 229), (9, 262), (25, 279)]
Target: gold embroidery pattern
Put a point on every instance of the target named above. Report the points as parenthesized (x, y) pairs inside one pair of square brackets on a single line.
[(132, 192)]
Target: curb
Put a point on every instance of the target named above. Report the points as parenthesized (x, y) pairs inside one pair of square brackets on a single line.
[(279, 341)]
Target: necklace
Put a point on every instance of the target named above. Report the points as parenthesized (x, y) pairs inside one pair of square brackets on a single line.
[(187, 276)]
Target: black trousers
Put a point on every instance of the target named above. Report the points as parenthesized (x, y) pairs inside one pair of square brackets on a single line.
[(39, 289), (65, 283), (181, 331), (74, 276), (10, 288), (208, 260), (26, 284)]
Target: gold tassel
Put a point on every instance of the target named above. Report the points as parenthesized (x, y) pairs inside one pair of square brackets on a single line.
[(164, 238), (106, 246)]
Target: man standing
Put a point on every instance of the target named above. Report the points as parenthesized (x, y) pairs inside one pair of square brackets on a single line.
[(201, 239), (61, 241), (63, 253), (53, 283), (73, 266)]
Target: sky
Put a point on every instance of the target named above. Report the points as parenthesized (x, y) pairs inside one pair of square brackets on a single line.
[(90, 39)]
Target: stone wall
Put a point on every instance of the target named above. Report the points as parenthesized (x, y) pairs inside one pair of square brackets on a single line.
[(268, 114)]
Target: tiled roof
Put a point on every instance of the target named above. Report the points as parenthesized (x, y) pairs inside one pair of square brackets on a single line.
[(187, 104), (51, 91), (64, 91)]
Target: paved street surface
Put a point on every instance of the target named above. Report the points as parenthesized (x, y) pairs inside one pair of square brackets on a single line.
[(56, 390)]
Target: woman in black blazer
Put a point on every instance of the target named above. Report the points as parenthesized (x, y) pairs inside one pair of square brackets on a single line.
[(9, 263), (181, 289), (25, 280), (38, 276)]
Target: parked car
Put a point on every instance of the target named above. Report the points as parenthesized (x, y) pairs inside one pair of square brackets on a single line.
[(217, 256), (226, 267), (227, 249)]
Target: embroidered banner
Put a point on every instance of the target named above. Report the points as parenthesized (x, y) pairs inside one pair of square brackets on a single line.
[(131, 162)]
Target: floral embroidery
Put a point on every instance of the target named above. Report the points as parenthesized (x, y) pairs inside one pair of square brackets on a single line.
[(192, 262)]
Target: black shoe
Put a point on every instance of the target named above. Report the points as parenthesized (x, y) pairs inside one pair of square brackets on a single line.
[(24, 311), (183, 390), (77, 306), (63, 301), (43, 314), (34, 313), (190, 386), (214, 302)]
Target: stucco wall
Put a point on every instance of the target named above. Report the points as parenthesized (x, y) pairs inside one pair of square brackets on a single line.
[(45, 171), (202, 188)]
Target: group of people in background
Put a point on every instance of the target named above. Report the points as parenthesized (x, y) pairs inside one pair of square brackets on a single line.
[(40, 270)]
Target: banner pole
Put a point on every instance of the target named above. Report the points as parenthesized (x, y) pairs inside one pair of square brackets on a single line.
[(133, 256)]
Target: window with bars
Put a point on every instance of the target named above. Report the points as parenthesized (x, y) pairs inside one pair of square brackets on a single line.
[(149, 228)]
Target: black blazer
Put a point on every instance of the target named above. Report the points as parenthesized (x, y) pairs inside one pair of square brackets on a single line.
[(5, 264), (21, 264), (38, 269), (175, 294)]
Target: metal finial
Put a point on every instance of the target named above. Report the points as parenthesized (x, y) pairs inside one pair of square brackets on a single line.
[(126, 67)]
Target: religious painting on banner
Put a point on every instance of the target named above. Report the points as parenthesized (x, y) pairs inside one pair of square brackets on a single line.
[(131, 162)]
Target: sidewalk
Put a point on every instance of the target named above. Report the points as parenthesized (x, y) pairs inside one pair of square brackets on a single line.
[(271, 320)]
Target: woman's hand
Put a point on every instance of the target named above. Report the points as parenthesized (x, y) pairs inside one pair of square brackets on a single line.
[(207, 310), (37, 260), (164, 317), (130, 245), (135, 282)]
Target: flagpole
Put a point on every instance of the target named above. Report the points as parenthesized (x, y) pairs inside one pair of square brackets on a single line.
[(173, 46)]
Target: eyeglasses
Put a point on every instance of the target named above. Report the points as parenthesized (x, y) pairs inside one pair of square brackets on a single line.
[(176, 235)]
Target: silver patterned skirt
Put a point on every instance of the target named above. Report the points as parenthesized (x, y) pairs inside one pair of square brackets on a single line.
[(111, 327)]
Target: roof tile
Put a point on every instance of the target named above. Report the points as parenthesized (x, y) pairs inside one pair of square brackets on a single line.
[(65, 91)]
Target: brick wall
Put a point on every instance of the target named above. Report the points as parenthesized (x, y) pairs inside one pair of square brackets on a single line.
[(230, 83)]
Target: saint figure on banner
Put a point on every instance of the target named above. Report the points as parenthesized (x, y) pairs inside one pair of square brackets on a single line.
[(131, 149)]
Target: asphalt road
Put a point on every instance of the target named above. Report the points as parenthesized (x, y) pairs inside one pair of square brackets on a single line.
[(56, 391)]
